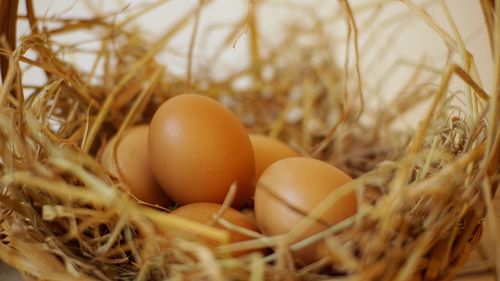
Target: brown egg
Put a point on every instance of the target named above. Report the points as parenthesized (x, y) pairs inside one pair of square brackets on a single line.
[(198, 149), (267, 150), (204, 212), (130, 164), (291, 188)]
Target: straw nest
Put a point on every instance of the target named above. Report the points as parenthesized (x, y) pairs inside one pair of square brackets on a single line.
[(423, 194)]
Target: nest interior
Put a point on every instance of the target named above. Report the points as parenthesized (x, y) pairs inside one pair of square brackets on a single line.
[(422, 193)]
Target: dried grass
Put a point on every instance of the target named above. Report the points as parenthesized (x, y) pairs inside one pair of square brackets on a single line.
[(422, 195)]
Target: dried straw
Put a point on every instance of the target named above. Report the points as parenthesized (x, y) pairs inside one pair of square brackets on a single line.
[(422, 195)]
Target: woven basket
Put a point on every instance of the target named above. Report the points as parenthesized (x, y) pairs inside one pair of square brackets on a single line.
[(52, 187)]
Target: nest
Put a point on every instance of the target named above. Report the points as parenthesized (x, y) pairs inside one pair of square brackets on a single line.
[(422, 193)]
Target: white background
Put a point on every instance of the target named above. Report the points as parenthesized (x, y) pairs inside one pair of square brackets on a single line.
[(413, 41)]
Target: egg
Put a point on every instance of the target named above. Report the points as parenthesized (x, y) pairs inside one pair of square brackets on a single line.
[(129, 162), (291, 188), (203, 212), (198, 149), (268, 150)]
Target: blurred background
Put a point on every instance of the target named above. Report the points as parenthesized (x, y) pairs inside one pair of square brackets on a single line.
[(411, 42)]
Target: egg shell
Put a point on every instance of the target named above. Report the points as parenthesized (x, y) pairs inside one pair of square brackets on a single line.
[(129, 162), (291, 188), (198, 149), (203, 212), (268, 150)]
